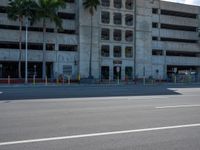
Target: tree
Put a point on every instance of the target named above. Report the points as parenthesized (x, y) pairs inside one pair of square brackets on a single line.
[(48, 10), (91, 5), (19, 10)]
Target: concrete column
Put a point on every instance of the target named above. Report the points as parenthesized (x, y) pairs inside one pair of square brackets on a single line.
[(123, 19), (164, 65), (111, 72), (123, 4), (111, 3), (111, 51), (123, 35), (123, 51)]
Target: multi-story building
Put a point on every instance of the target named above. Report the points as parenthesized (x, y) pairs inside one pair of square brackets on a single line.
[(62, 47), (131, 38)]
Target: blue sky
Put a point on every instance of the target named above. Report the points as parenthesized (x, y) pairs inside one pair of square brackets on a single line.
[(192, 2)]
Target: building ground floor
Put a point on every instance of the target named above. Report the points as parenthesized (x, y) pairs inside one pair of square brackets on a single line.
[(107, 72), (10, 68)]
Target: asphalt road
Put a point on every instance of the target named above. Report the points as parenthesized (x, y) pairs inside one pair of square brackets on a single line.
[(100, 118), (50, 92)]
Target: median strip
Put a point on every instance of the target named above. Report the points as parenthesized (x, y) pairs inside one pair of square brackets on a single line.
[(97, 134)]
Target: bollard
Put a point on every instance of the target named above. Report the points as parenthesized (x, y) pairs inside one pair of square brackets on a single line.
[(57, 81), (79, 78), (8, 79)]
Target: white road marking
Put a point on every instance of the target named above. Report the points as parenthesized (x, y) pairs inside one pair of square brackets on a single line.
[(98, 98), (1, 92), (98, 134), (177, 106)]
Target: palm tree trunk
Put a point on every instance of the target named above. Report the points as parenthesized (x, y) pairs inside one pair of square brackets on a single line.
[(90, 63), (44, 51), (20, 48)]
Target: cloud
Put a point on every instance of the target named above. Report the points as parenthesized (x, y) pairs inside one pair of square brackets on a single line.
[(192, 2)]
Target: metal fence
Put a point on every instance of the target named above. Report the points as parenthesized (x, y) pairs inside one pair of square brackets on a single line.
[(185, 78)]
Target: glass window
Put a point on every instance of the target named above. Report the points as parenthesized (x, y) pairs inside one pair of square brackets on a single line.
[(105, 17), (129, 36), (105, 34), (117, 18), (117, 3), (117, 51), (129, 52), (105, 3), (117, 35), (105, 50), (129, 20), (129, 4)]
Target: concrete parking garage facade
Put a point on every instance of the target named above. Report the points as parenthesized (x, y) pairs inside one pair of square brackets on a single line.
[(137, 38)]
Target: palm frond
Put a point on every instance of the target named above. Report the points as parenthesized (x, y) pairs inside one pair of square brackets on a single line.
[(49, 9), (91, 5)]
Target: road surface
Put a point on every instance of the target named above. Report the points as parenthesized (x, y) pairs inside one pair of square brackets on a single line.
[(100, 118)]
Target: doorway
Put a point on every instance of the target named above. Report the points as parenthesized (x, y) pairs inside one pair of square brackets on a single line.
[(105, 72), (117, 72)]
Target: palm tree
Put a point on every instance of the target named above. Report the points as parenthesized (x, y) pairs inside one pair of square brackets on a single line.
[(19, 10), (91, 5), (48, 10)]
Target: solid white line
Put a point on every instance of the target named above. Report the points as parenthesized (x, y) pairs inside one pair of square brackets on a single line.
[(177, 106), (98, 134)]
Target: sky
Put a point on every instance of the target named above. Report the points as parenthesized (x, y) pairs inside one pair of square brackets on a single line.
[(192, 2)]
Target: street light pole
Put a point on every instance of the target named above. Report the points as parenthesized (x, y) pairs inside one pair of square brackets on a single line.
[(26, 53), (135, 28)]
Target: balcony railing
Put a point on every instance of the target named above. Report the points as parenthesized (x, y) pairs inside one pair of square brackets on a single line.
[(105, 20), (117, 38), (117, 5), (104, 37), (118, 22)]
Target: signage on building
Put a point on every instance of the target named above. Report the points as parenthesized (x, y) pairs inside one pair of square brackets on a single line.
[(175, 70), (117, 62), (67, 70)]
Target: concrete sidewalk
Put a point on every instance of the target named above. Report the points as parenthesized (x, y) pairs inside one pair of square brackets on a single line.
[(96, 85)]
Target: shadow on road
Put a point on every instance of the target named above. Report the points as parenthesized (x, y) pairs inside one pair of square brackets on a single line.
[(52, 92)]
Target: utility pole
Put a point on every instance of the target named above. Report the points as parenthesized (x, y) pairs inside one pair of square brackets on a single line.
[(135, 12), (26, 53)]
